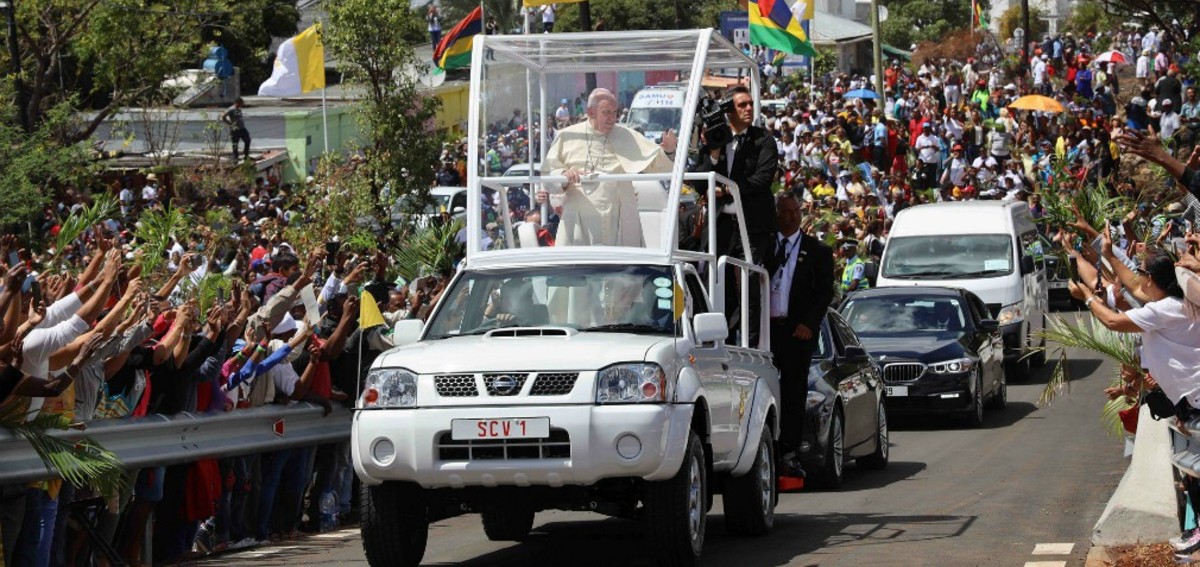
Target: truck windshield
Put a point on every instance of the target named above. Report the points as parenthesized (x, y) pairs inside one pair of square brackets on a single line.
[(654, 121), (624, 299), (944, 257)]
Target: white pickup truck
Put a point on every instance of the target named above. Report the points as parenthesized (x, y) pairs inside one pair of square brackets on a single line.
[(601, 378)]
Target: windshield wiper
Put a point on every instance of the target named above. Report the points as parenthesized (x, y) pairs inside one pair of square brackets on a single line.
[(978, 274), (625, 328), (925, 274)]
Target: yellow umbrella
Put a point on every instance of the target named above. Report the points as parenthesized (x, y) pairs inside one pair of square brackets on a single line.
[(1037, 102)]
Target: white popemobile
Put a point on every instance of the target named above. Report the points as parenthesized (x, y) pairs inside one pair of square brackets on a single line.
[(591, 378)]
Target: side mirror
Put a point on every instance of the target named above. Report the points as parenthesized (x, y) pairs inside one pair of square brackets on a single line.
[(855, 355), (1026, 265), (457, 210), (989, 325), (407, 332), (710, 327)]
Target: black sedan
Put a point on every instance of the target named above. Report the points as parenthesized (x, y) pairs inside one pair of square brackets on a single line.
[(939, 348), (846, 418)]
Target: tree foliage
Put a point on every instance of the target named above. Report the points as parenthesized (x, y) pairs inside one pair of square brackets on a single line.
[(1090, 16), (370, 41), (620, 15), (246, 30), (507, 14), (914, 21), (1011, 20)]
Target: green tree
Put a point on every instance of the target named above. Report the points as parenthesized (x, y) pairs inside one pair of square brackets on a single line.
[(103, 55), (620, 15), (506, 12), (914, 21), (1011, 20), (368, 38)]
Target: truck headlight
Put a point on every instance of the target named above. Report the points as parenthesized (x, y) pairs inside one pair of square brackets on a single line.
[(956, 366), (1010, 314), (389, 388), (632, 382)]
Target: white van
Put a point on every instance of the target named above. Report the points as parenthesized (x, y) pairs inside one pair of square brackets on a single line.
[(990, 248), (655, 110)]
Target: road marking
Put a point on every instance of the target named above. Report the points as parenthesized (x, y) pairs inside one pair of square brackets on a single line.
[(1045, 564), (1053, 548)]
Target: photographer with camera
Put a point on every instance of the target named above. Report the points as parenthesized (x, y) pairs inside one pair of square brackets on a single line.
[(747, 155)]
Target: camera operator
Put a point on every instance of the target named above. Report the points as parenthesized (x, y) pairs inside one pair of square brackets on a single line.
[(750, 159)]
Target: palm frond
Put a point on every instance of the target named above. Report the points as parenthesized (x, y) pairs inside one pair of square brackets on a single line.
[(206, 290), (102, 208), (1110, 417), (84, 463), (1083, 335), (431, 250), (155, 229)]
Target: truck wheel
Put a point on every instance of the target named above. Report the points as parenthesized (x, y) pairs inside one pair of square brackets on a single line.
[(675, 510), (395, 525), (507, 524), (750, 499), (830, 474), (879, 459)]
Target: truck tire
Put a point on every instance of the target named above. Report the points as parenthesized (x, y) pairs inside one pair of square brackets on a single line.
[(675, 510), (507, 524), (879, 459), (395, 525), (750, 499)]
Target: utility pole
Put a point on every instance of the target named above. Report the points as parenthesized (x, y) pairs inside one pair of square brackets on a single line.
[(1028, 59), (678, 15), (585, 22), (877, 48), (14, 52)]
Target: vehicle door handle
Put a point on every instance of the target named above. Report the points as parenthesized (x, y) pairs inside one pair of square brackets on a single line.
[(724, 366)]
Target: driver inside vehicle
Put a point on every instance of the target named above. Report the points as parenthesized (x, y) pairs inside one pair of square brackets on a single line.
[(514, 305)]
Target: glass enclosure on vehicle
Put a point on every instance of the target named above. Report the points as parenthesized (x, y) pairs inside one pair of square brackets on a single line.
[(530, 126), (963, 256), (638, 299), (885, 315)]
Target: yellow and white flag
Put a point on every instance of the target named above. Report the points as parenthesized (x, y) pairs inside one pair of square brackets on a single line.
[(299, 66)]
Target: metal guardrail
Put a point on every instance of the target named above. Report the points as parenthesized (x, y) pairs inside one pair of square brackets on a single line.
[(157, 440), (1185, 448)]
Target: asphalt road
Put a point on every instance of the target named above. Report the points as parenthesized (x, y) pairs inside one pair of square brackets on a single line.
[(951, 496)]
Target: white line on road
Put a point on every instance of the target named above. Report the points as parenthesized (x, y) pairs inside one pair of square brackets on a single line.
[(1053, 548), (1045, 564)]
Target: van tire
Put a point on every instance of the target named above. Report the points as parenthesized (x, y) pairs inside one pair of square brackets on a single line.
[(750, 499), (507, 524)]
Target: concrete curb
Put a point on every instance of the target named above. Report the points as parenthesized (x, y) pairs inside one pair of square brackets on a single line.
[(1098, 557), (1143, 508)]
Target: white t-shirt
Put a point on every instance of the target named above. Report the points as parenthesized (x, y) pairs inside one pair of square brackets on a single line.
[(1170, 347), (149, 193), (284, 377), (41, 342)]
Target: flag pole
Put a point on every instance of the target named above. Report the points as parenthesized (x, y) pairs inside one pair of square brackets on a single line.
[(324, 106)]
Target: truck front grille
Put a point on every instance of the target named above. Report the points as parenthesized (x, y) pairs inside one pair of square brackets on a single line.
[(455, 386), (556, 446), (557, 384)]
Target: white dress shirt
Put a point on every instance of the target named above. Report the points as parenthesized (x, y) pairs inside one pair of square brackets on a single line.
[(781, 280)]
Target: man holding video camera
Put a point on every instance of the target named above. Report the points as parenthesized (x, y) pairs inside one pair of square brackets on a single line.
[(749, 158)]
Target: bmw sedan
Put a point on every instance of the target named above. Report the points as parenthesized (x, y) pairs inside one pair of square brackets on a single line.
[(846, 417), (939, 348)]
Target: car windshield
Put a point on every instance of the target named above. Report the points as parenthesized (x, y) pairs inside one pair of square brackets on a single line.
[(904, 315), (654, 120), (634, 299), (948, 257)]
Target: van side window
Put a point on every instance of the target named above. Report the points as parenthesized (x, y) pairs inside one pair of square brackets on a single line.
[(1031, 245)]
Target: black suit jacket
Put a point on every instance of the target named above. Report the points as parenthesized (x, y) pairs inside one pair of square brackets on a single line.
[(755, 164), (812, 283)]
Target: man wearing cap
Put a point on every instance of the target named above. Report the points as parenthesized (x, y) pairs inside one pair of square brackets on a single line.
[(562, 115), (928, 152), (1168, 87), (1142, 68), (854, 275), (801, 269), (1168, 121), (956, 169), (150, 191)]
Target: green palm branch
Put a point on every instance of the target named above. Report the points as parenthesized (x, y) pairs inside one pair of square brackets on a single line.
[(155, 229), (84, 463), (1087, 335), (430, 250), (103, 207), (207, 290)]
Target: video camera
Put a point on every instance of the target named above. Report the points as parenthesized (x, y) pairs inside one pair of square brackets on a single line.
[(713, 122)]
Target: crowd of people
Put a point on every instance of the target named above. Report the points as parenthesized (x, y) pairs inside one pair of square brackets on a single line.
[(93, 332)]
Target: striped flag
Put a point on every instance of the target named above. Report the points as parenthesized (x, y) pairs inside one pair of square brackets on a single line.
[(979, 18), (454, 51), (299, 66), (773, 24)]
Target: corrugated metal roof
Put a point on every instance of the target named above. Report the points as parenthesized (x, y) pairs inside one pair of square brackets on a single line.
[(828, 29)]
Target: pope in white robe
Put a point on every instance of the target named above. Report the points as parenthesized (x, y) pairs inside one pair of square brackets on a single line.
[(602, 214)]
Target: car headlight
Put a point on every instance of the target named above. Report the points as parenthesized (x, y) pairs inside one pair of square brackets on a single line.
[(632, 382), (956, 366), (1010, 314), (389, 388)]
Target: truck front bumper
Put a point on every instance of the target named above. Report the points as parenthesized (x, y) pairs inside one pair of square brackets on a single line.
[(587, 443)]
